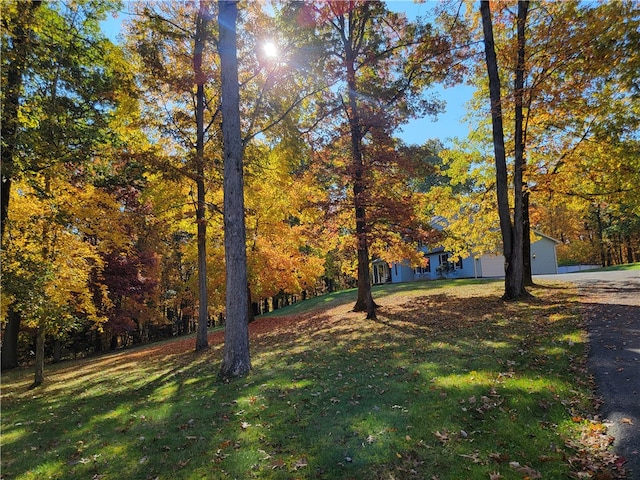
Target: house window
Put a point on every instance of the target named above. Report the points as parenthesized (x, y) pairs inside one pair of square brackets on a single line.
[(423, 270), (444, 260)]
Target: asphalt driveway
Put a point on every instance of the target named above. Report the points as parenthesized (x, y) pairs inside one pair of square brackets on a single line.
[(612, 302)]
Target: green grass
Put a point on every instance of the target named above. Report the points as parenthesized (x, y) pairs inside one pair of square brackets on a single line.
[(449, 383), (627, 266)]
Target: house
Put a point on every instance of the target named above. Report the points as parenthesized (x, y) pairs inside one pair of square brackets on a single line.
[(544, 261)]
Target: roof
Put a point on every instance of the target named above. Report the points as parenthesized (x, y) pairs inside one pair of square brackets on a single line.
[(540, 234)]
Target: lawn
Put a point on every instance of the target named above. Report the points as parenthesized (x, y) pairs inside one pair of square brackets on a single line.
[(449, 383), (626, 266)]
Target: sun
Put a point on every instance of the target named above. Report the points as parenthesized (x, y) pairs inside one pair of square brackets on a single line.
[(270, 49)]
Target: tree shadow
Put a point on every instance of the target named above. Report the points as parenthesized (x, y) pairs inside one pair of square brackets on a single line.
[(331, 396)]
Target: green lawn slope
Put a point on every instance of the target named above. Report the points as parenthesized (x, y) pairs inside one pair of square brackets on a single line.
[(449, 383)]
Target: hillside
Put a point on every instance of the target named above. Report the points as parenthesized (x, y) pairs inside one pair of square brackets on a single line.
[(449, 383)]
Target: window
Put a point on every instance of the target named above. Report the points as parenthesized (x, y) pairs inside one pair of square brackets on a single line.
[(447, 265), (423, 270)]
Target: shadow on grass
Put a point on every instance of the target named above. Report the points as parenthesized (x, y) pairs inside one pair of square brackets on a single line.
[(441, 385)]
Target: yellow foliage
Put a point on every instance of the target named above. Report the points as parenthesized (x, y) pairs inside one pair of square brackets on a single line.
[(47, 262)]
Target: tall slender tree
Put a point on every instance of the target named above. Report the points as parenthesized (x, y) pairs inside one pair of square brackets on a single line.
[(512, 230), (236, 359), (202, 21), (171, 39), (377, 69)]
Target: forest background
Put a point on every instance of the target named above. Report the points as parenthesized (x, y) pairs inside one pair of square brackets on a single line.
[(112, 218)]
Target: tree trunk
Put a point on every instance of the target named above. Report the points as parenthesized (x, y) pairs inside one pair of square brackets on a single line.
[(38, 377), (600, 239), (515, 283), (57, 350), (236, 359), (512, 234), (526, 242), (364, 302), (202, 342), (10, 340), (629, 248), (203, 300), (498, 131)]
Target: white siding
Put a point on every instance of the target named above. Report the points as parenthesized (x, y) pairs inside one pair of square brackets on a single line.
[(543, 257), (491, 266)]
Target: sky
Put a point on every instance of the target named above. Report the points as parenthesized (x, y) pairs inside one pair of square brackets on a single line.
[(447, 125)]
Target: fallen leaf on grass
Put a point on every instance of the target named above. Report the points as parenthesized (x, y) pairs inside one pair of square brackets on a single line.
[(300, 463), (495, 476), (525, 470), (183, 463), (499, 457), (443, 437), (474, 457), (277, 464)]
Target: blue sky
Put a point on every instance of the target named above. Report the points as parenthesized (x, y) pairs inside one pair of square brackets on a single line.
[(447, 125)]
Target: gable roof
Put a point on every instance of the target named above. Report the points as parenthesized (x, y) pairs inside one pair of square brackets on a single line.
[(540, 234)]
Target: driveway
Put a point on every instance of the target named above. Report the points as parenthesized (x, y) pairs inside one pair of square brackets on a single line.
[(612, 302)]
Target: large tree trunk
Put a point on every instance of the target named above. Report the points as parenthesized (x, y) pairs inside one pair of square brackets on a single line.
[(498, 130), (202, 19), (511, 233), (236, 360), (515, 283), (364, 302)]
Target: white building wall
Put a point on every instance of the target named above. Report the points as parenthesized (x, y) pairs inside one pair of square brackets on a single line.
[(543, 257)]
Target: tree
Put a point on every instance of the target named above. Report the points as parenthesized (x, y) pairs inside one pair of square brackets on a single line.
[(62, 81), (202, 19), (583, 119), (373, 89), (462, 198), (17, 25), (188, 119), (171, 39), (47, 262), (286, 237), (512, 231), (236, 358), (576, 98)]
